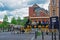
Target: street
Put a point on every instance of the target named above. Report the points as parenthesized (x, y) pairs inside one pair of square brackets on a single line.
[(12, 36), (25, 36)]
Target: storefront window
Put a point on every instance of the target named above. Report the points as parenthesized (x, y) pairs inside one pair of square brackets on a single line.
[(42, 22), (47, 22)]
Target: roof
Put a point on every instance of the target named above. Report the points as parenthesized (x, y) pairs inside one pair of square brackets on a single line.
[(36, 6)]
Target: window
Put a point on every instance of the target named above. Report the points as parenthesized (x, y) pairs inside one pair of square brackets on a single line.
[(37, 11), (43, 22), (54, 14), (47, 22), (54, 2)]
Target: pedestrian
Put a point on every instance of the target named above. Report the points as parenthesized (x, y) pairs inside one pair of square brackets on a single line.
[(36, 34)]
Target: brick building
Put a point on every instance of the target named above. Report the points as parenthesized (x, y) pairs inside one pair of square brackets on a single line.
[(37, 14)]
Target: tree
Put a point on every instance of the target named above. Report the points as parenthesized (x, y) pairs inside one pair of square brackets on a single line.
[(23, 22), (4, 25), (27, 21), (5, 21), (1, 25), (18, 21), (13, 21)]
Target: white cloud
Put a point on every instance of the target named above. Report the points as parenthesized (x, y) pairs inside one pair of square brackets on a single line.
[(9, 18), (15, 3), (45, 6), (15, 13), (20, 12), (2, 15)]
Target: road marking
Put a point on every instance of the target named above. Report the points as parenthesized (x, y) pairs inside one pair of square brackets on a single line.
[(33, 38)]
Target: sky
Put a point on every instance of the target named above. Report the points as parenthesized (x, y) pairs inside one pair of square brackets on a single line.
[(15, 8)]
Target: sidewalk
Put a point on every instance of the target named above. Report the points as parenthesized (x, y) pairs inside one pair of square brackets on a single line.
[(46, 37)]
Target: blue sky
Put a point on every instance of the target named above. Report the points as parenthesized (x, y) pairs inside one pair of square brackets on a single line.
[(15, 8)]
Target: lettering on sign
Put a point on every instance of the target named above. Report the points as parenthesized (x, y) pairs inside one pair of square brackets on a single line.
[(53, 19)]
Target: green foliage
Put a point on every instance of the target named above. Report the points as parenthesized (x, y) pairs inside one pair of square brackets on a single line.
[(5, 18), (13, 21), (21, 22), (1, 25), (18, 21), (24, 21), (5, 21)]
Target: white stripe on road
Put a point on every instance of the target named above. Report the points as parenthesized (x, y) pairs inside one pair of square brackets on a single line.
[(33, 38)]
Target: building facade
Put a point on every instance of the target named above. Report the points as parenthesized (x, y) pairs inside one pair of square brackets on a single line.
[(37, 14), (54, 8)]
